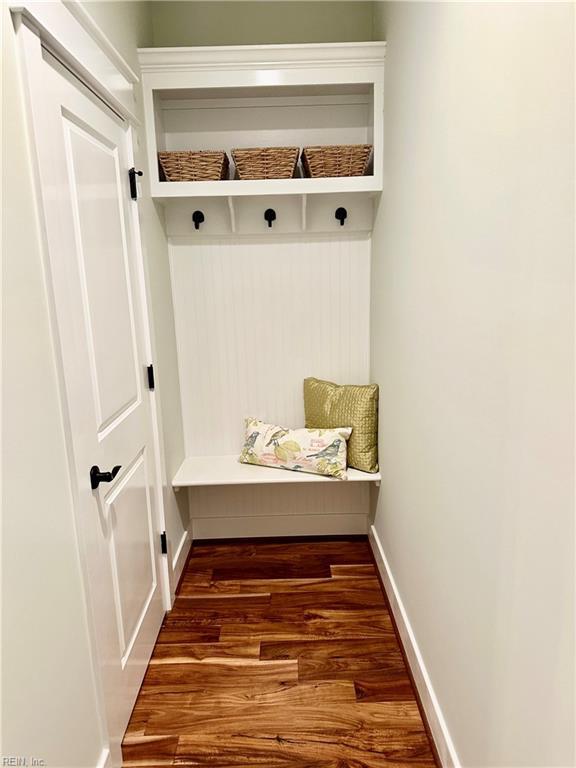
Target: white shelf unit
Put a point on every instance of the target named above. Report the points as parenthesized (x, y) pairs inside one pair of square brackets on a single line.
[(258, 309), (227, 470), (258, 96)]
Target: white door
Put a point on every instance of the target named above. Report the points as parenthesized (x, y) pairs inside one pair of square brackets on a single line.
[(84, 152)]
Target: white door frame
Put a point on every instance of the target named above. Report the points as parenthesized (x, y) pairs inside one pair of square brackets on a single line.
[(70, 33)]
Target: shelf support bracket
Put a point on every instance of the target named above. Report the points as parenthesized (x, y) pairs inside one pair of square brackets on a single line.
[(303, 212), (232, 213)]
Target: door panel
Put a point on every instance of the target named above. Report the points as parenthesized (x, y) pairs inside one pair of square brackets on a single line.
[(100, 230), (131, 552)]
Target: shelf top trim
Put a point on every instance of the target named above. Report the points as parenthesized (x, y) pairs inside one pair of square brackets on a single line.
[(258, 187), (226, 470), (263, 56)]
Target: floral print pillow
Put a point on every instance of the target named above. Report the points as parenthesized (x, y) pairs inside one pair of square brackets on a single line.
[(321, 451)]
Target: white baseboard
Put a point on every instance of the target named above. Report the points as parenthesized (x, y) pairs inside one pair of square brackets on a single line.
[(179, 558), (434, 716), (105, 759)]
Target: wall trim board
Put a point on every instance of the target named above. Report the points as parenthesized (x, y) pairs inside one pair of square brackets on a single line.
[(105, 759), (180, 557), (281, 525), (436, 722), (256, 237), (271, 238)]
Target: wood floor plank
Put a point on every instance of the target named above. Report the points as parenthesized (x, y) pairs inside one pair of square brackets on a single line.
[(140, 750), (271, 586), (392, 748), (188, 633), (327, 649), (187, 604), (382, 686), (319, 625), (348, 668), (352, 571), (314, 693), (206, 618), (271, 569), (291, 605), (207, 611), (238, 710), (278, 655), (182, 653), (327, 718), (347, 552), (197, 575), (154, 703), (206, 675)]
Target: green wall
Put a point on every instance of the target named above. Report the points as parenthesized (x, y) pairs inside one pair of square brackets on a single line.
[(258, 23)]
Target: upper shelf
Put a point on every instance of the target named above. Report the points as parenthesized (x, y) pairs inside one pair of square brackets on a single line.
[(238, 188), (227, 470), (260, 96)]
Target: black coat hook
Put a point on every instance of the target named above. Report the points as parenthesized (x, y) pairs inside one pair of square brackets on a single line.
[(341, 214), (197, 218), (270, 216)]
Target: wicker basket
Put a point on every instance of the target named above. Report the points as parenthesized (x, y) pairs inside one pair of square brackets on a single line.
[(207, 165), (265, 163), (337, 160)]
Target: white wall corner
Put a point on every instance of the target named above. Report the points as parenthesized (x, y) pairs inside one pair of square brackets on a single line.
[(436, 722)]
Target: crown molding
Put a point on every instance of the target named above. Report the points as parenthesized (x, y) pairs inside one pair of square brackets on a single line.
[(262, 57)]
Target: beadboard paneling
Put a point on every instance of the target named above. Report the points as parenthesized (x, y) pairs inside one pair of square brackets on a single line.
[(336, 498), (282, 525), (279, 510), (254, 318)]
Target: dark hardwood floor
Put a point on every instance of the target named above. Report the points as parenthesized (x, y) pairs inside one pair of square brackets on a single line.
[(278, 655)]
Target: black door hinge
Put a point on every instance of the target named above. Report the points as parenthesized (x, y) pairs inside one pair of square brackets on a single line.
[(132, 173), (163, 543), (150, 373)]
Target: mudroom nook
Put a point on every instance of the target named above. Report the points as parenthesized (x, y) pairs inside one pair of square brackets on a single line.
[(288, 384), (260, 305)]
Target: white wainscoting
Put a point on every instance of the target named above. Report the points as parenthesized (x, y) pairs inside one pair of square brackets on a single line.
[(279, 510), (254, 317)]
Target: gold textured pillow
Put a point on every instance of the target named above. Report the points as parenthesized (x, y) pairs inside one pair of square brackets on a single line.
[(328, 405)]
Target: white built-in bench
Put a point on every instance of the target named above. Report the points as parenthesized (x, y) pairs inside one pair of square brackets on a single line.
[(227, 470)]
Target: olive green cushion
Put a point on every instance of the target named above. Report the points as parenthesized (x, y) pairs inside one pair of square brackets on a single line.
[(328, 405)]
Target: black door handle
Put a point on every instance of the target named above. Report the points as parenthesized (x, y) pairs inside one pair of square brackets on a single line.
[(97, 477), (132, 173)]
